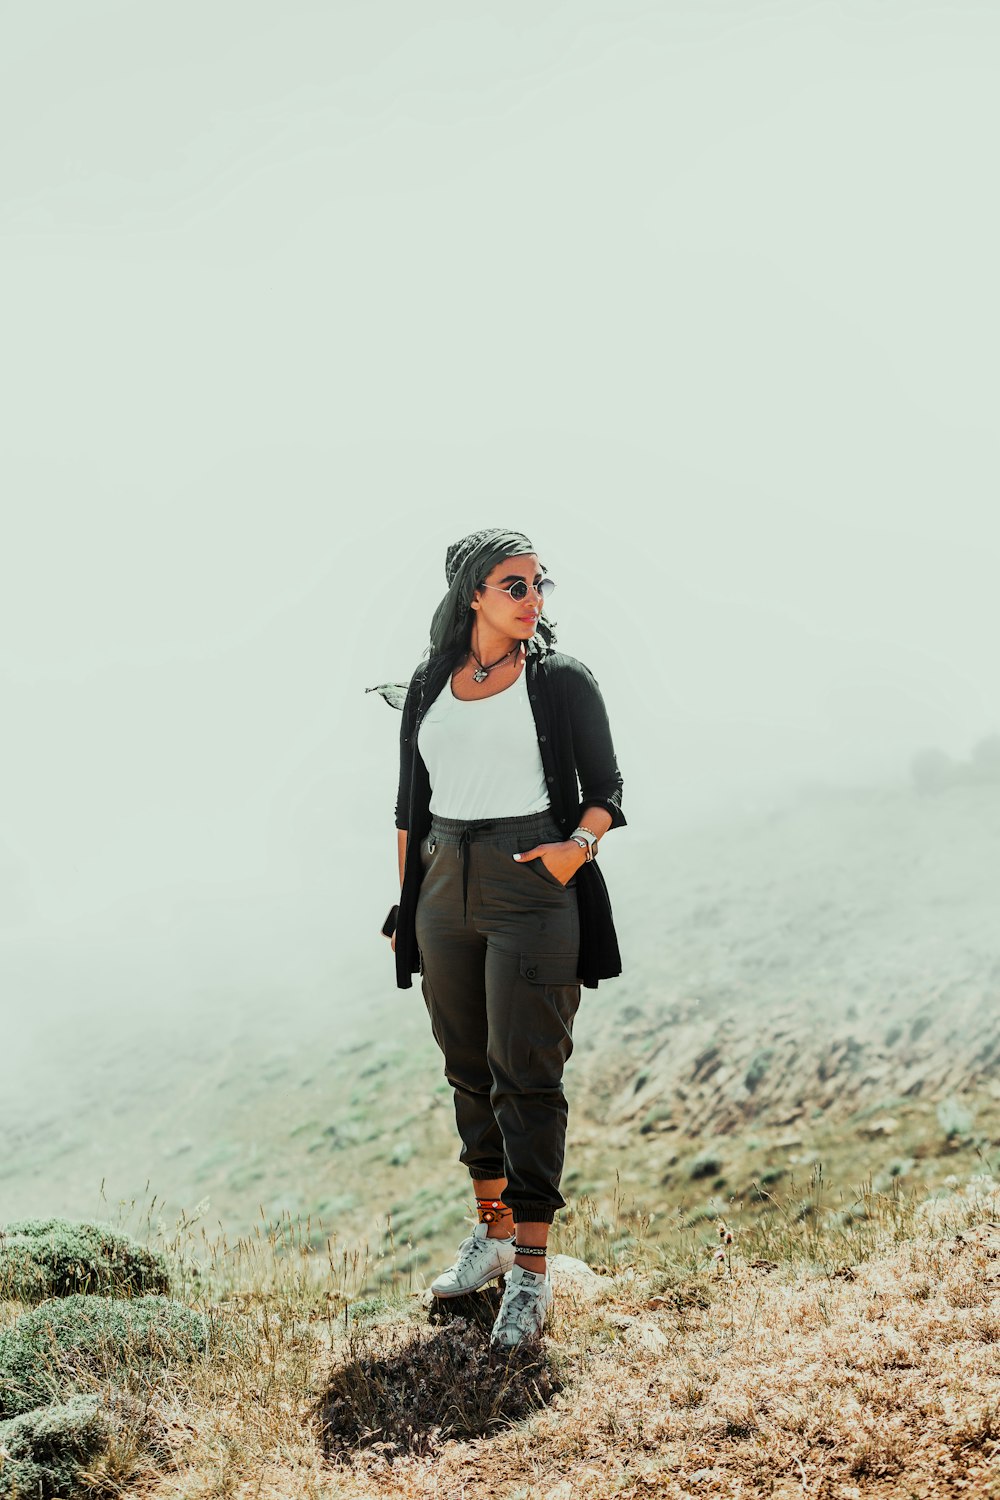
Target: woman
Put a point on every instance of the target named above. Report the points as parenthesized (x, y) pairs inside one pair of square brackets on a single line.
[(508, 780)]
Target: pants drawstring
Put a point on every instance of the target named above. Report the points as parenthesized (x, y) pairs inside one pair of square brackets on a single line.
[(462, 853)]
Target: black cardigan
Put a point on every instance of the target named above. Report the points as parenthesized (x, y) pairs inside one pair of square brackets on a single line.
[(578, 758)]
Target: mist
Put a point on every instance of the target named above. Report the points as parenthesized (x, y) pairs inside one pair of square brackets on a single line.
[(701, 297)]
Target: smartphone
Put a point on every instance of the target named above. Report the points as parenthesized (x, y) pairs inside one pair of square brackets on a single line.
[(389, 925)]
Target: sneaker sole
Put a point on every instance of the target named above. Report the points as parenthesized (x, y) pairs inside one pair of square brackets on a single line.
[(465, 1290)]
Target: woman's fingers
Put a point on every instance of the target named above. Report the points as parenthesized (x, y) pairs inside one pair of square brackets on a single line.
[(563, 860)]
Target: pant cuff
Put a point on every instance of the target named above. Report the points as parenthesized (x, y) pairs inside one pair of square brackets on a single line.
[(542, 1213), (487, 1174)]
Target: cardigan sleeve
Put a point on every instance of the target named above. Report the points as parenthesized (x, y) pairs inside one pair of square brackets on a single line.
[(596, 764), (407, 749)]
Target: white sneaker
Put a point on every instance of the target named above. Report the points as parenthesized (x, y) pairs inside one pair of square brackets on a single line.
[(527, 1298), (480, 1260)]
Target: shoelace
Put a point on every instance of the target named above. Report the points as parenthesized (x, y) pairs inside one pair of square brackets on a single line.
[(469, 1250), (521, 1305)]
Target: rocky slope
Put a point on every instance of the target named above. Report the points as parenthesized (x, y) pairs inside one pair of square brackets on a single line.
[(812, 988)]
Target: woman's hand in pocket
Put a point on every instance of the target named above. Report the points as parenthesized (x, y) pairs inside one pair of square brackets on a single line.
[(561, 860)]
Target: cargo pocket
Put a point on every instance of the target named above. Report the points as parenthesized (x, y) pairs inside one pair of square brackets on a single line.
[(552, 970), (552, 991)]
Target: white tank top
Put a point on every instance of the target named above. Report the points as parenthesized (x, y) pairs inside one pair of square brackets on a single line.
[(482, 755)]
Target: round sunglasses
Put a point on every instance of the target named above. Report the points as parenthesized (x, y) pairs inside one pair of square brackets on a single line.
[(518, 590)]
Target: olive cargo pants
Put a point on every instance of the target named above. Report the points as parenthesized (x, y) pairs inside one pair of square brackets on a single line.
[(499, 944)]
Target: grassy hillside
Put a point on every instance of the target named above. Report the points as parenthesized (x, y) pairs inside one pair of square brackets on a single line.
[(809, 1003), (778, 1274), (762, 1356)]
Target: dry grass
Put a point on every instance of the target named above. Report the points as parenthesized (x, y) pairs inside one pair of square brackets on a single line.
[(799, 1356)]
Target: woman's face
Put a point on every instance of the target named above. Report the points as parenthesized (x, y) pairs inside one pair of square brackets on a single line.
[(496, 609)]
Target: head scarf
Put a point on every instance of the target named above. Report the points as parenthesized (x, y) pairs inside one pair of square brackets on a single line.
[(466, 565)]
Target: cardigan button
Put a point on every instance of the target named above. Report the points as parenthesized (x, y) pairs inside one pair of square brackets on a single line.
[(541, 739), (530, 973), (533, 697), (550, 778)]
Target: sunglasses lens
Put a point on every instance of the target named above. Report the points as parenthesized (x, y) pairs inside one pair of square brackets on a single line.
[(519, 590)]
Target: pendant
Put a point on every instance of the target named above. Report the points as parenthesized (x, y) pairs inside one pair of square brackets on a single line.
[(480, 674)]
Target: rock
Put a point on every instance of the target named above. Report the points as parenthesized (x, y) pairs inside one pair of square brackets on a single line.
[(573, 1275)]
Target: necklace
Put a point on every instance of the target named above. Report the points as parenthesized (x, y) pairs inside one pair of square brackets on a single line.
[(481, 673)]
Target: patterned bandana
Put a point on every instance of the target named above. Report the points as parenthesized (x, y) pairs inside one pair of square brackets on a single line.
[(472, 545)]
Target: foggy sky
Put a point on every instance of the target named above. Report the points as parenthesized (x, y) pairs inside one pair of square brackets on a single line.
[(702, 296)]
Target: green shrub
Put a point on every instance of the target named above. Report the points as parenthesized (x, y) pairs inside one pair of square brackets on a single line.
[(954, 1118), (759, 1064), (707, 1163), (654, 1116), (42, 1452), (41, 1258), (370, 1308), (47, 1349), (699, 1216)]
